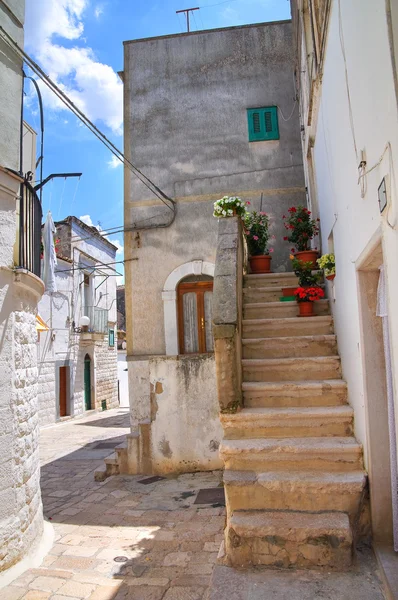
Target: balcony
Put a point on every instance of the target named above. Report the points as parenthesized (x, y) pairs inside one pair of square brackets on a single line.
[(29, 234), (98, 319)]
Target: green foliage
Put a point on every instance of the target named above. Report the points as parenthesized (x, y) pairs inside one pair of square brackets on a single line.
[(301, 227), (303, 270), (257, 234)]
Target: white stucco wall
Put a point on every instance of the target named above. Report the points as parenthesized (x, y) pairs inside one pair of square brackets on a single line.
[(61, 346), (177, 397), (354, 222)]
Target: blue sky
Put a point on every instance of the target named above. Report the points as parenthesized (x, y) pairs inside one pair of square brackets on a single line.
[(79, 43)]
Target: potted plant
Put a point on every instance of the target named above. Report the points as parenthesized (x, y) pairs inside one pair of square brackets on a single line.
[(306, 276), (257, 236), (306, 296), (327, 263), (229, 206), (302, 229)]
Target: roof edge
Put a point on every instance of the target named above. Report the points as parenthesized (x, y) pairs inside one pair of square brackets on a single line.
[(202, 31)]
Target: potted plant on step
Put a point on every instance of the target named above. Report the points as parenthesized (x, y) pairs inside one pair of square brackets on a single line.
[(302, 229), (306, 296), (257, 236), (229, 206), (327, 263)]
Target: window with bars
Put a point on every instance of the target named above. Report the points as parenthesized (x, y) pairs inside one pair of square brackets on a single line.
[(195, 317), (263, 124)]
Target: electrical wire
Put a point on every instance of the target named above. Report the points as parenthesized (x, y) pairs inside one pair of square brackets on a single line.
[(80, 115), (194, 18)]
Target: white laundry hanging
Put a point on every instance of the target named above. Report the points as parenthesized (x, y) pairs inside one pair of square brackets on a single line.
[(381, 311), (50, 257)]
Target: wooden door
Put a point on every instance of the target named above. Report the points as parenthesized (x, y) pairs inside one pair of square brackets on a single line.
[(87, 382), (194, 317), (63, 391)]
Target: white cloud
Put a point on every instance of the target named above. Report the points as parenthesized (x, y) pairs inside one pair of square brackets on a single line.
[(88, 221), (98, 11), (93, 86), (120, 247), (120, 280), (114, 162)]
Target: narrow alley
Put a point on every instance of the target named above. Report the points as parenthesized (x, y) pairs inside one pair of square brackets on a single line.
[(118, 539)]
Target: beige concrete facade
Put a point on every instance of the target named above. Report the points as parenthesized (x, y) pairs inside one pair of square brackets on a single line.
[(185, 123)]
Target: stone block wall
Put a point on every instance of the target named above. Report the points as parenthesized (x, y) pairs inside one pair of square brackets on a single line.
[(47, 393), (21, 514), (106, 374)]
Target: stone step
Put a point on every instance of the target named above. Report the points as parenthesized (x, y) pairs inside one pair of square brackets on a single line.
[(265, 294), (278, 310), (289, 539), (291, 369), (293, 454), (287, 347), (332, 392), (288, 422), (287, 327), (303, 490), (270, 280)]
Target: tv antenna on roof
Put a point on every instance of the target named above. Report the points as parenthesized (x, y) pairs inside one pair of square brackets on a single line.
[(187, 10)]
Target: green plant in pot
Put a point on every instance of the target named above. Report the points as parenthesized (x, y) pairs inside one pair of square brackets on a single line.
[(328, 264), (256, 228), (306, 276), (302, 229)]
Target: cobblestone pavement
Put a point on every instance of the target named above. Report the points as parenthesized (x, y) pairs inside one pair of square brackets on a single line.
[(165, 546)]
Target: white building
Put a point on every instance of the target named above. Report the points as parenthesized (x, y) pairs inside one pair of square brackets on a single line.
[(21, 513), (348, 87), (78, 368)]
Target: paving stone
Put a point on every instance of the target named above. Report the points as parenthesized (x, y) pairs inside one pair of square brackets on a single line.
[(11, 593), (36, 595), (73, 562), (184, 593), (46, 584), (80, 551), (77, 589)]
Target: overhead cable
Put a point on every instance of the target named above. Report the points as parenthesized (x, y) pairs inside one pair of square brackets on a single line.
[(89, 124)]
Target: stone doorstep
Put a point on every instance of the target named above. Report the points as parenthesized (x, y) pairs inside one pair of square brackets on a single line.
[(305, 490), (326, 453), (288, 422), (329, 392), (287, 326), (289, 538), (286, 369), (289, 347)]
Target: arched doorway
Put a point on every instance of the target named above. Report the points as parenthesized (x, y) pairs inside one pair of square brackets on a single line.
[(87, 382)]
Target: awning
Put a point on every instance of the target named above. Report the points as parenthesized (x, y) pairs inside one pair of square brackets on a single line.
[(40, 324)]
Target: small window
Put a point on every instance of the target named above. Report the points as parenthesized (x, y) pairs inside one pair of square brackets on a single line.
[(195, 317), (111, 337), (263, 124)]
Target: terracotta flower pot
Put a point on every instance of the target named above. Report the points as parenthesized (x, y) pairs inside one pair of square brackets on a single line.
[(289, 291), (308, 256), (306, 309), (260, 264), (331, 277)]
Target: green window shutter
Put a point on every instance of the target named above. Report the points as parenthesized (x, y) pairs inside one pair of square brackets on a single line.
[(263, 124), (111, 338)]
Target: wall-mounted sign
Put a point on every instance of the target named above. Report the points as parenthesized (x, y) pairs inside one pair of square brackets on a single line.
[(382, 193)]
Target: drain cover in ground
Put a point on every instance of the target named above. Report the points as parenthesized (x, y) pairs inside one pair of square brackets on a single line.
[(211, 496), (149, 480)]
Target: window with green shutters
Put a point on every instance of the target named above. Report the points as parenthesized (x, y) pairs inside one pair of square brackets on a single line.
[(263, 124), (111, 337)]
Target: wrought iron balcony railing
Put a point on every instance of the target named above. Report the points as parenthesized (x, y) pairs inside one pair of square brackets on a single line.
[(30, 216)]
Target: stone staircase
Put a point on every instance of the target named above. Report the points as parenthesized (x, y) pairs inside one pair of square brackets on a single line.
[(294, 478)]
